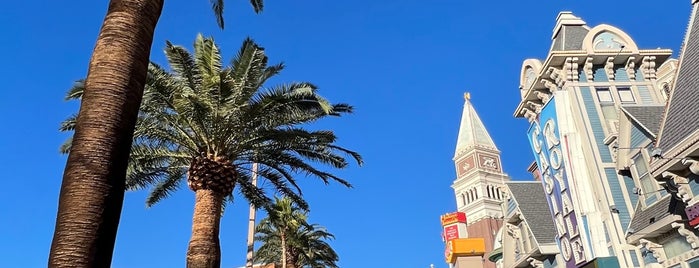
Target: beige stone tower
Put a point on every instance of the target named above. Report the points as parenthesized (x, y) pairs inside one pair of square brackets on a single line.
[(479, 179)]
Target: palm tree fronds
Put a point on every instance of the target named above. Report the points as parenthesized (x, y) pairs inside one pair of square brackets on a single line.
[(65, 147), (217, 7), (257, 5), (76, 91), (164, 188)]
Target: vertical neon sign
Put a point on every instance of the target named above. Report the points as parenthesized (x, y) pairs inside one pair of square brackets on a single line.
[(544, 137)]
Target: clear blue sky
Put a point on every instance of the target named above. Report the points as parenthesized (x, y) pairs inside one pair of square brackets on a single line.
[(404, 64)]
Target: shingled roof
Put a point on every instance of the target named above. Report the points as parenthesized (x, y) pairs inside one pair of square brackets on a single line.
[(531, 199), (683, 106), (642, 217), (649, 117)]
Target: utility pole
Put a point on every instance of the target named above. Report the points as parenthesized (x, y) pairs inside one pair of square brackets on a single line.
[(251, 222)]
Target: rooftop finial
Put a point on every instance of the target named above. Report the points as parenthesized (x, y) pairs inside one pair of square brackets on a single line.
[(467, 96)]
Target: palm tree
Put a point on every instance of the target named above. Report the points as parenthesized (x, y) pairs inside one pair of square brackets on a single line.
[(92, 191), (287, 239), (208, 124)]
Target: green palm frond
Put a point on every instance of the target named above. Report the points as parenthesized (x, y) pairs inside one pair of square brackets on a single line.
[(201, 107), (69, 123), (184, 66), (246, 69), (217, 7), (164, 188), (76, 91), (308, 243), (257, 5), (65, 146), (208, 58)]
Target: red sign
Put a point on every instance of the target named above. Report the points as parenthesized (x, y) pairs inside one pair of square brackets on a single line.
[(451, 232), (453, 218)]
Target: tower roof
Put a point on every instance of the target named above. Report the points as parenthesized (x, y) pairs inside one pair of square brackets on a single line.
[(472, 132), (683, 105)]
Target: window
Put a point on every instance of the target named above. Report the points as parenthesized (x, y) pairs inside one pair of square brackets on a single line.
[(609, 111), (625, 94), (675, 246), (648, 184), (604, 95)]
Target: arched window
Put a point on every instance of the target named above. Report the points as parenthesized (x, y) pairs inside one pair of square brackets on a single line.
[(498, 192), (463, 199)]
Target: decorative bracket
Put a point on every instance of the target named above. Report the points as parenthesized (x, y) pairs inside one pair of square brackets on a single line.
[(631, 68), (648, 68), (535, 106), (552, 87), (513, 231), (587, 68), (543, 96), (609, 68), (655, 249), (571, 69), (691, 238), (535, 263), (529, 114), (555, 75)]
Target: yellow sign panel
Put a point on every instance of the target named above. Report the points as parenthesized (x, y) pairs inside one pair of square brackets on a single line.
[(464, 247), (453, 218)]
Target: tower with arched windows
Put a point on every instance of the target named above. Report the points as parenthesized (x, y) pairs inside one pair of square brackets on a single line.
[(479, 182)]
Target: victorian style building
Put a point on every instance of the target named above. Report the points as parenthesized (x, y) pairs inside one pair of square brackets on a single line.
[(574, 99)]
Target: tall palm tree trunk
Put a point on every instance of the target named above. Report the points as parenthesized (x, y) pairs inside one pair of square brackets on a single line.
[(92, 192), (251, 223), (283, 249), (291, 257), (204, 247)]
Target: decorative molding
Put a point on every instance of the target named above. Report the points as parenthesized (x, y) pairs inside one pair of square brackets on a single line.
[(535, 106), (555, 75), (529, 114), (552, 87), (655, 249), (648, 68), (683, 189), (513, 231), (684, 192), (535, 263), (692, 238), (587, 68), (571, 69), (609, 68), (543, 96), (631, 68)]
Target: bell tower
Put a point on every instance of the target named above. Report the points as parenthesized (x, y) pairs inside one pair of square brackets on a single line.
[(479, 178)]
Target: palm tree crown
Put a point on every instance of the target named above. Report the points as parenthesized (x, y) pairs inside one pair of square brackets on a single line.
[(207, 124), (286, 229)]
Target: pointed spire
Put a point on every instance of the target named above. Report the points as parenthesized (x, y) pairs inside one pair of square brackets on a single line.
[(472, 132)]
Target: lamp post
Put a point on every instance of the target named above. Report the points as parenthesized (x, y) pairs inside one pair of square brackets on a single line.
[(251, 222)]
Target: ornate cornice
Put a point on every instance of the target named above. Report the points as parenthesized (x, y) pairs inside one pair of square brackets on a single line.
[(655, 249), (648, 68), (535, 263), (630, 68), (587, 68), (609, 68), (691, 238), (571, 69)]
